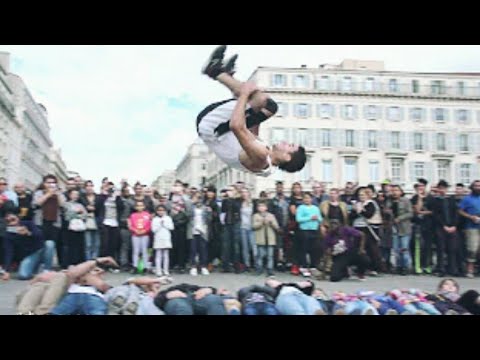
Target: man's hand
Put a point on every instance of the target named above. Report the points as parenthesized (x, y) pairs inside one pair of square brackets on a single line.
[(176, 294), (107, 261), (248, 88), (6, 276), (22, 230), (201, 293)]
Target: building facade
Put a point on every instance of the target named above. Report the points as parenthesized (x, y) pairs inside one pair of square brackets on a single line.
[(361, 123), (192, 169), (164, 183), (25, 143)]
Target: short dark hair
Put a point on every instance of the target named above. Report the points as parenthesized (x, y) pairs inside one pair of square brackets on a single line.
[(50, 176), (460, 185), (71, 179), (88, 182), (296, 163), (423, 182), (161, 207)]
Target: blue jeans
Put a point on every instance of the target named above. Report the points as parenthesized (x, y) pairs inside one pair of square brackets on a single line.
[(248, 243), (428, 308), (260, 308), (81, 304), (297, 303), (208, 305), (359, 307), (31, 264), (231, 244), (198, 246), (262, 252), (388, 303), (402, 252), (92, 244)]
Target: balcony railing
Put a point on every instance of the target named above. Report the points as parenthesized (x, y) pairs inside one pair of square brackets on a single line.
[(386, 89)]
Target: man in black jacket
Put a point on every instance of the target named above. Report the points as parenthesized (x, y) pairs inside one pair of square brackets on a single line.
[(445, 218), (186, 299), (231, 232)]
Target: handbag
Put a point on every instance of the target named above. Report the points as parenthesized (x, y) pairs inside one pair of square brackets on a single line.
[(77, 225), (91, 224)]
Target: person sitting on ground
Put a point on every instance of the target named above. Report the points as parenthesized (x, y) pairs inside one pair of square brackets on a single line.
[(24, 241)]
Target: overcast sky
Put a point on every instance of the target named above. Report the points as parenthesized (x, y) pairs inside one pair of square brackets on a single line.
[(129, 111)]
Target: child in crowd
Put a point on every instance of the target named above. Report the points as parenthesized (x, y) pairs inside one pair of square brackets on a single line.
[(139, 224), (266, 226), (162, 226)]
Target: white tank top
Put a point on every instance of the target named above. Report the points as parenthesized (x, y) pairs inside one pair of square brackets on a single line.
[(228, 149)]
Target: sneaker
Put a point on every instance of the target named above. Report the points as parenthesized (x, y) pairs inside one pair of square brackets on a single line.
[(166, 273), (159, 273), (131, 309), (295, 270), (373, 273), (470, 275), (391, 312), (229, 65), (361, 278), (114, 271), (214, 66), (205, 271), (305, 273), (194, 272)]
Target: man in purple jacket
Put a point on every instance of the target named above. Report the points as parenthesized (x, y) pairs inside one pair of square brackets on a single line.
[(346, 245)]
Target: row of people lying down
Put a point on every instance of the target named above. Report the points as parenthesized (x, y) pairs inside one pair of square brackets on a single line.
[(81, 290)]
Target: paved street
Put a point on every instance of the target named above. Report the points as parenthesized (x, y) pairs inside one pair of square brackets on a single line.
[(233, 282)]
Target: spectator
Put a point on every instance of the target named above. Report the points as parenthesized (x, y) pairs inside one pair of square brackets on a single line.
[(280, 204), (125, 236), (24, 202), (6, 206), (75, 215), (199, 245), (249, 246), (11, 195), (296, 200), (91, 201), (231, 232), (162, 226), (318, 193), (140, 224), (265, 226)]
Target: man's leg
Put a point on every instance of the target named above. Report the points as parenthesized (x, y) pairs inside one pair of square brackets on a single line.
[(67, 306), (29, 265), (29, 299), (179, 306), (55, 291), (47, 254)]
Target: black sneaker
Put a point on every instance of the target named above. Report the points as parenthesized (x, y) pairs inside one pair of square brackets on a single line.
[(214, 66), (229, 65)]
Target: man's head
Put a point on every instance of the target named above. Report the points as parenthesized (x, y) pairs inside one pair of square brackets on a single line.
[(148, 191), (397, 191), (279, 187), (475, 188), (50, 181), (349, 188), (177, 187), (12, 219), (71, 184), (79, 182), (459, 190), (125, 192), (420, 188), (89, 188), (138, 189), (289, 157), (211, 192), (3, 184), (19, 189), (318, 188), (442, 187), (334, 195), (296, 189)]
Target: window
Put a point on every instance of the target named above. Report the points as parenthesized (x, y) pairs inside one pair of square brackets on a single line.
[(350, 170), (372, 139), (461, 88), (204, 166), (370, 84), (374, 171), (279, 80), (441, 142), (349, 138), (416, 114), (393, 113), (372, 112), (465, 173), (462, 116), (327, 171), (282, 109), (443, 170), (302, 137), (396, 139), (347, 84), (300, 81), (397, 170), (301, 110), (418, 141), (326, 111), (463, 142), (349, 112), (438, 87), (323, 83), (304, 174), (419, 170), (326, 138), (439, 115), (393, 85), (278, 135), (415, 86)]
